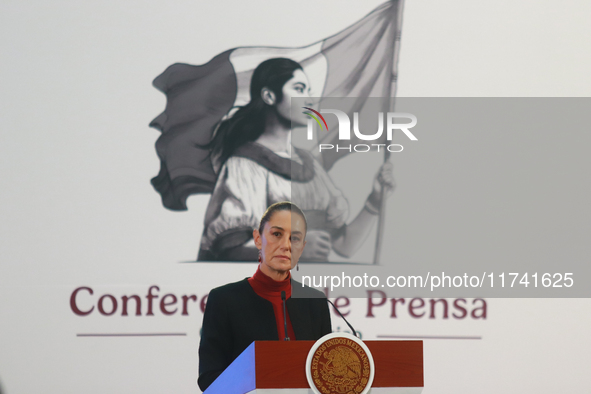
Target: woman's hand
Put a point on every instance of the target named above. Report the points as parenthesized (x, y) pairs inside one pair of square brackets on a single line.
[(383, 185), (356, 232), (318, 246), (384, 180)]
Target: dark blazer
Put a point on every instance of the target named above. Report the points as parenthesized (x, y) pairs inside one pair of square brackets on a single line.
[(235, 316)]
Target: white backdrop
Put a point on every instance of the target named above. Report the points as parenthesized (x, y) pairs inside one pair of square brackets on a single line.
[(77, 208)]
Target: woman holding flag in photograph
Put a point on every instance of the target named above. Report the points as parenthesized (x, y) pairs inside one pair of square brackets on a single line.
[(259, 168), (244, 157)]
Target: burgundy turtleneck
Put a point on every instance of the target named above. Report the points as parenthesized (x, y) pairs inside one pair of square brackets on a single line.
[(271, 290)]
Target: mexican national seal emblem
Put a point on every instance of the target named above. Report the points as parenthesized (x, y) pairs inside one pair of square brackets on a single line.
[(340, 363)]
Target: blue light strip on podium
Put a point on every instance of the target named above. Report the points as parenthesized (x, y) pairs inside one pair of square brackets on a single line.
[(239, 377)]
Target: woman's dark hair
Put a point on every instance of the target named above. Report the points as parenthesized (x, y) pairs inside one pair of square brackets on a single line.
[(248, 123), (281, 206)]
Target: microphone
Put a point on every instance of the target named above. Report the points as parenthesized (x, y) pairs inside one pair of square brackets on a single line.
[(285, 316), (341, 315)]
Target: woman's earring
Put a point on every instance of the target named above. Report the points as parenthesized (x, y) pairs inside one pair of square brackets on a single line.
[(298, 266), (260, 257)]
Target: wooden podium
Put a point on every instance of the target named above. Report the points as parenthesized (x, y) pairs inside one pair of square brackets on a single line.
[(279, 367)]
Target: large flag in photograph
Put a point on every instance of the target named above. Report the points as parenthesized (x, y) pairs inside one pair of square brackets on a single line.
[(359, 61)]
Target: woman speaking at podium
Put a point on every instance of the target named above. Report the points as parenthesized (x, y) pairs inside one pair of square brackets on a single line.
[(252, 309)]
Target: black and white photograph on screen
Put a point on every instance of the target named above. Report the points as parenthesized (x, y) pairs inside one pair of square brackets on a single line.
[(226, 131)]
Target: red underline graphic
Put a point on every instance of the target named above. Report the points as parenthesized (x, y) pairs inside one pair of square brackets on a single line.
[(427, 337), (154, 334)]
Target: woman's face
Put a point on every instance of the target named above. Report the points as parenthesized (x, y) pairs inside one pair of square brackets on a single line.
[(281, 243), (297, 86)]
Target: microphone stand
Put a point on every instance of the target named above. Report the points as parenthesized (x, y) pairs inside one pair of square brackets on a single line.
[(343, 317), (284, 316)]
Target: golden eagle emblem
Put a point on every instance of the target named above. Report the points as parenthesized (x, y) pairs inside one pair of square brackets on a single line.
[(340, 366)]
